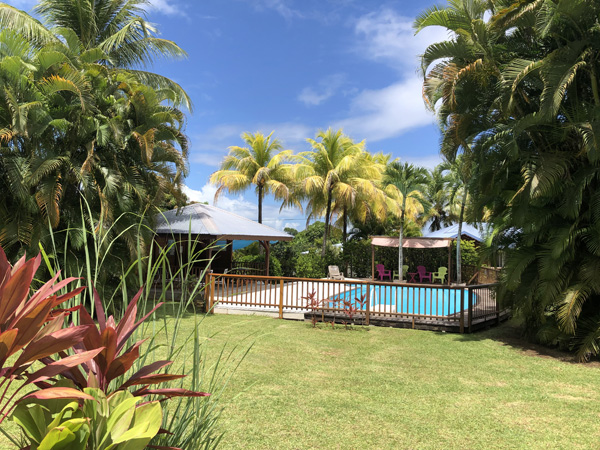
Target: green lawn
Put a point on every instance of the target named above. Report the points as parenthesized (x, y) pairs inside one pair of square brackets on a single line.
[(305, 388)]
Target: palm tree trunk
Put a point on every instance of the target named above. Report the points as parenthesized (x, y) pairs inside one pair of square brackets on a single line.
[(345, 226), (327, 214), (260, 202), (458, 255), (400, 251)]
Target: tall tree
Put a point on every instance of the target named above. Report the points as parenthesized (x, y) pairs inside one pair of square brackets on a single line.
[(334, 171), (118, 29), (72, 131), (527, 78), (436, 194), (458, 185), (404, 185), (262, 164)]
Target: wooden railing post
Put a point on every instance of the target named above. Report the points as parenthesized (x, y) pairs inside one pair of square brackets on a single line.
[(368, 312), (497, 305), (470, 294), (211, 293), (462, 312), (281, 299)]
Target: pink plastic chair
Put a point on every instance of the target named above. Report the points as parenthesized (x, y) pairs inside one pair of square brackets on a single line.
[(423, 274), (383, 273)]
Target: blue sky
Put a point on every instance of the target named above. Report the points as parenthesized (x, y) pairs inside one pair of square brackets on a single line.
[(294, 67)]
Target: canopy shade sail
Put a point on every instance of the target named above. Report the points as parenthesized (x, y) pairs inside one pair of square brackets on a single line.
[(410, 242)]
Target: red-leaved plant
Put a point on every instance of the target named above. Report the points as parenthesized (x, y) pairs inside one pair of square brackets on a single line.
[(114, 360), (32, 326)]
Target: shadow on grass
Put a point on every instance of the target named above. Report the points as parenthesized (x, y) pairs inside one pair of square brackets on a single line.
[(512, 333)]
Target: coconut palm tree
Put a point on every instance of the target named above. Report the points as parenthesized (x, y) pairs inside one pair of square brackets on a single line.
[(262, 164), (335, 171), (404, 184), (367, 200)]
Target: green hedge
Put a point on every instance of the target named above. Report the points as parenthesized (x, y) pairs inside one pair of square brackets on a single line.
[(274, 266)]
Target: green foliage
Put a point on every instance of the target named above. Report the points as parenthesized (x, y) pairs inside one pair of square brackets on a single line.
[(308, 240), (79, 127), (469, 253), (310, 265), (516, 92), (121, 421), (53, 424), (275, 268), (261, 164)]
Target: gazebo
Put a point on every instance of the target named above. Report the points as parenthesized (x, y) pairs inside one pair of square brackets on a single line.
[(437, 239), (208, 225), (468, 232), (411, 242)]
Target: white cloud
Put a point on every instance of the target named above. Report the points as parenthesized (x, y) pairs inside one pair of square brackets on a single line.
[(168, 7), (377, 114), (246, 208), (385, 113), (429, 162), (327, 87), (390, 38), (282, 7)]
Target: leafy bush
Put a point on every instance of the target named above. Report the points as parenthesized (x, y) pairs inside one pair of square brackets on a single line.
[(310, 265), (469, 254), (356, 257), (32, 327), (274, 264)]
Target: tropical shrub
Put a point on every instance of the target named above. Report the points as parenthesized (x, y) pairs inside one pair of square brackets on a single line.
[(32, 329), (116, 422), (118, 419), (274, 263), (53, 424), (515, 89)]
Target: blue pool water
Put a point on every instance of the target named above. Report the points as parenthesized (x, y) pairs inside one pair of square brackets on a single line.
[(410, 300)]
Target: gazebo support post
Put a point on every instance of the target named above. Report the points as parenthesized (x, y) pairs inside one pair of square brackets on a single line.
[(210, 256), (267, 248), (372, 262), (230, 253)]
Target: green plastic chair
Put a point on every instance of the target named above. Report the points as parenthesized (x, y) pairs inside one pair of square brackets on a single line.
[(404, 270), (439, 275)]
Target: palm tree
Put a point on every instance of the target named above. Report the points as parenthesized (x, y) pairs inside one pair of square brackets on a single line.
[(404, 185), (262, 164), (333, 172), (69, 133), (458, 184), (367, 200), (117, 30), (436, 194), (521, 91)]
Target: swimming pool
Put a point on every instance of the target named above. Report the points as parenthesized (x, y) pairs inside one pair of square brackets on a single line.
[(410, 300)]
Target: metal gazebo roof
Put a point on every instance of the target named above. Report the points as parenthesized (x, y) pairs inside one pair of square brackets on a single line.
[(452, 232), (207, 220)]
